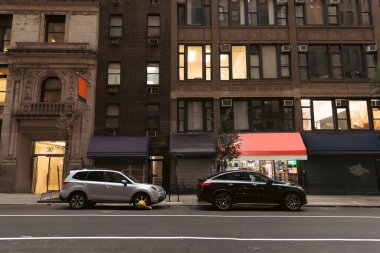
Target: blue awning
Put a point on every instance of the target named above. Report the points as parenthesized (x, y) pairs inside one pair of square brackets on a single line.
[(341, 143), (118, 147)]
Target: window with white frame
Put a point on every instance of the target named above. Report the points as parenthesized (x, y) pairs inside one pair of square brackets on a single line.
[(114, 71)]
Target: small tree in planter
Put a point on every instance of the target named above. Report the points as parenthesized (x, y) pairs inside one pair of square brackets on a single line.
[(228, 142)]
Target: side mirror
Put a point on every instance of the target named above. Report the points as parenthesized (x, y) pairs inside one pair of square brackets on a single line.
[(269, 182), (124, 182)]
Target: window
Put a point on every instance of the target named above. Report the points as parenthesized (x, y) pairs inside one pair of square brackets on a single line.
[(153, 74), (261, 115), (194, 62), (263, 62), (251, 12), (112, 177), (334, 62), (114, 73), (116, 26), (152, 116), (112, 116), (153, 26), (348, 114), (375, 104), (320, 12), (241, 176), (5, 32), (195, 116), (3, 83), (80, 175), (371, 65), (55, 28), (51, 90), (194, 12), (97, 176)]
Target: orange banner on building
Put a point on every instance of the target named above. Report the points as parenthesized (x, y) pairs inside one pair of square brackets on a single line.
[(82, 89)]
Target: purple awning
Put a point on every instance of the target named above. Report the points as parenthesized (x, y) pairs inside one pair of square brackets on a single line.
[(118, 147)]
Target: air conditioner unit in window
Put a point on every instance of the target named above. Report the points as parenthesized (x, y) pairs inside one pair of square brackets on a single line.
[(282, 2), (226, 102), (151, 133), (375, 102), (225, 48), (154, 90), (341, 102), (115, 2), (288, 102), (302, 48), (285, 48), (113, 89), (153, 1), (153, 41), (371, 48), (299, 1), (333, 2), (114, 41)]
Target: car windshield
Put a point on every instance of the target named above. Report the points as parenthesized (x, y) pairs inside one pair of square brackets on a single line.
[(134, 180)]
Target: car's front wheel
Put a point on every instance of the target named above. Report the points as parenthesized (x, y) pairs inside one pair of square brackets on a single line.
[(78, 200), (141, 196), (222, 201), (292, 201)]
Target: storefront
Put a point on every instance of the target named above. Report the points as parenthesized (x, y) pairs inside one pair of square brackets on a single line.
[(127, 154), (277, 155), (342, 163), (193, 157)]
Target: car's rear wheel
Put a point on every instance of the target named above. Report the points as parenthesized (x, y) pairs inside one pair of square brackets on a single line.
[(222, 201), (141, 196), (292, 201), (78, 200)]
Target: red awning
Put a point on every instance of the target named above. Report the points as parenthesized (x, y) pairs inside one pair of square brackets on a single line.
[(272, 146)]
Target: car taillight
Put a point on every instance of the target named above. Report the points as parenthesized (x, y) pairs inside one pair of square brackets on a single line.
[(203, 184), (65, 182)]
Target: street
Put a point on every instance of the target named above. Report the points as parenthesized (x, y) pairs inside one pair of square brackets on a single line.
[(56, 228)]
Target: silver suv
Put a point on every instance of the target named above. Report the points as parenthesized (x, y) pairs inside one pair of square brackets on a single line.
[(86, 187)]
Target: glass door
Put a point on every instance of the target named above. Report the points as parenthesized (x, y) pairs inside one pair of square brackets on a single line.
[(156, 167)]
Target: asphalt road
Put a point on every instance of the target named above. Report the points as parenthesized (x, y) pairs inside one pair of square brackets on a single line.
[(56, 228)]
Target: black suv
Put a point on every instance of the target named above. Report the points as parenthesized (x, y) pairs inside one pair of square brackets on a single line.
[(247, 187)]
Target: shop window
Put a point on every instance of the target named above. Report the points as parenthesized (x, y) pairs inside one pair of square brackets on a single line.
[(3, 83), (194, 12), (116, 26), (194, 62), (153, 26), (153, 74), (195, 116), (375, 104), (51, 90), (358, 114), (5, 32), (152, 116), (112, 116), (251, 12), (114, 73), (55, 28)]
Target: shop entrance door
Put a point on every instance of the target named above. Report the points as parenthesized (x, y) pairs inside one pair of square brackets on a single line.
[(156, 166), (48, 167)]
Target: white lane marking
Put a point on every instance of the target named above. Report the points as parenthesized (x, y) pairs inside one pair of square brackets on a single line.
[(191, 238), (192, 215)]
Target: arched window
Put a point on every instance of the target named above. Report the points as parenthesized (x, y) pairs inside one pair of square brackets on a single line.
[(51, 90)]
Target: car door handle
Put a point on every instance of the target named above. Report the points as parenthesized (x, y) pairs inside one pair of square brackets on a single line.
[(107, 186), (230, 184)]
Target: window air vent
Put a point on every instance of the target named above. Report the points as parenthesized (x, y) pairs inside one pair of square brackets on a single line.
[(154, 90), (114, 41), (341, 102), (375, 102), (282, 2), (285, 48), (153, 41), (288, 102), (371, 48), (225, 48), (226, 102), (302, 48), (151, 133)]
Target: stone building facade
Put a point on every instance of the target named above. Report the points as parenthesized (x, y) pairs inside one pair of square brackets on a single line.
[(51, 43)]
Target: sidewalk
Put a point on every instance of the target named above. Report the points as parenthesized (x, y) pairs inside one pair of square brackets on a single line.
[(313, 200)]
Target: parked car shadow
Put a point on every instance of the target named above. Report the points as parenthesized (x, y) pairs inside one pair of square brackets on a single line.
[(243, 208)]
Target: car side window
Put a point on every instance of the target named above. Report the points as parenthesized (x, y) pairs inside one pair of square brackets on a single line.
[(80, 175), (221, 177), (95, 176), (257, 178), (241, 176), (113, 177)]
